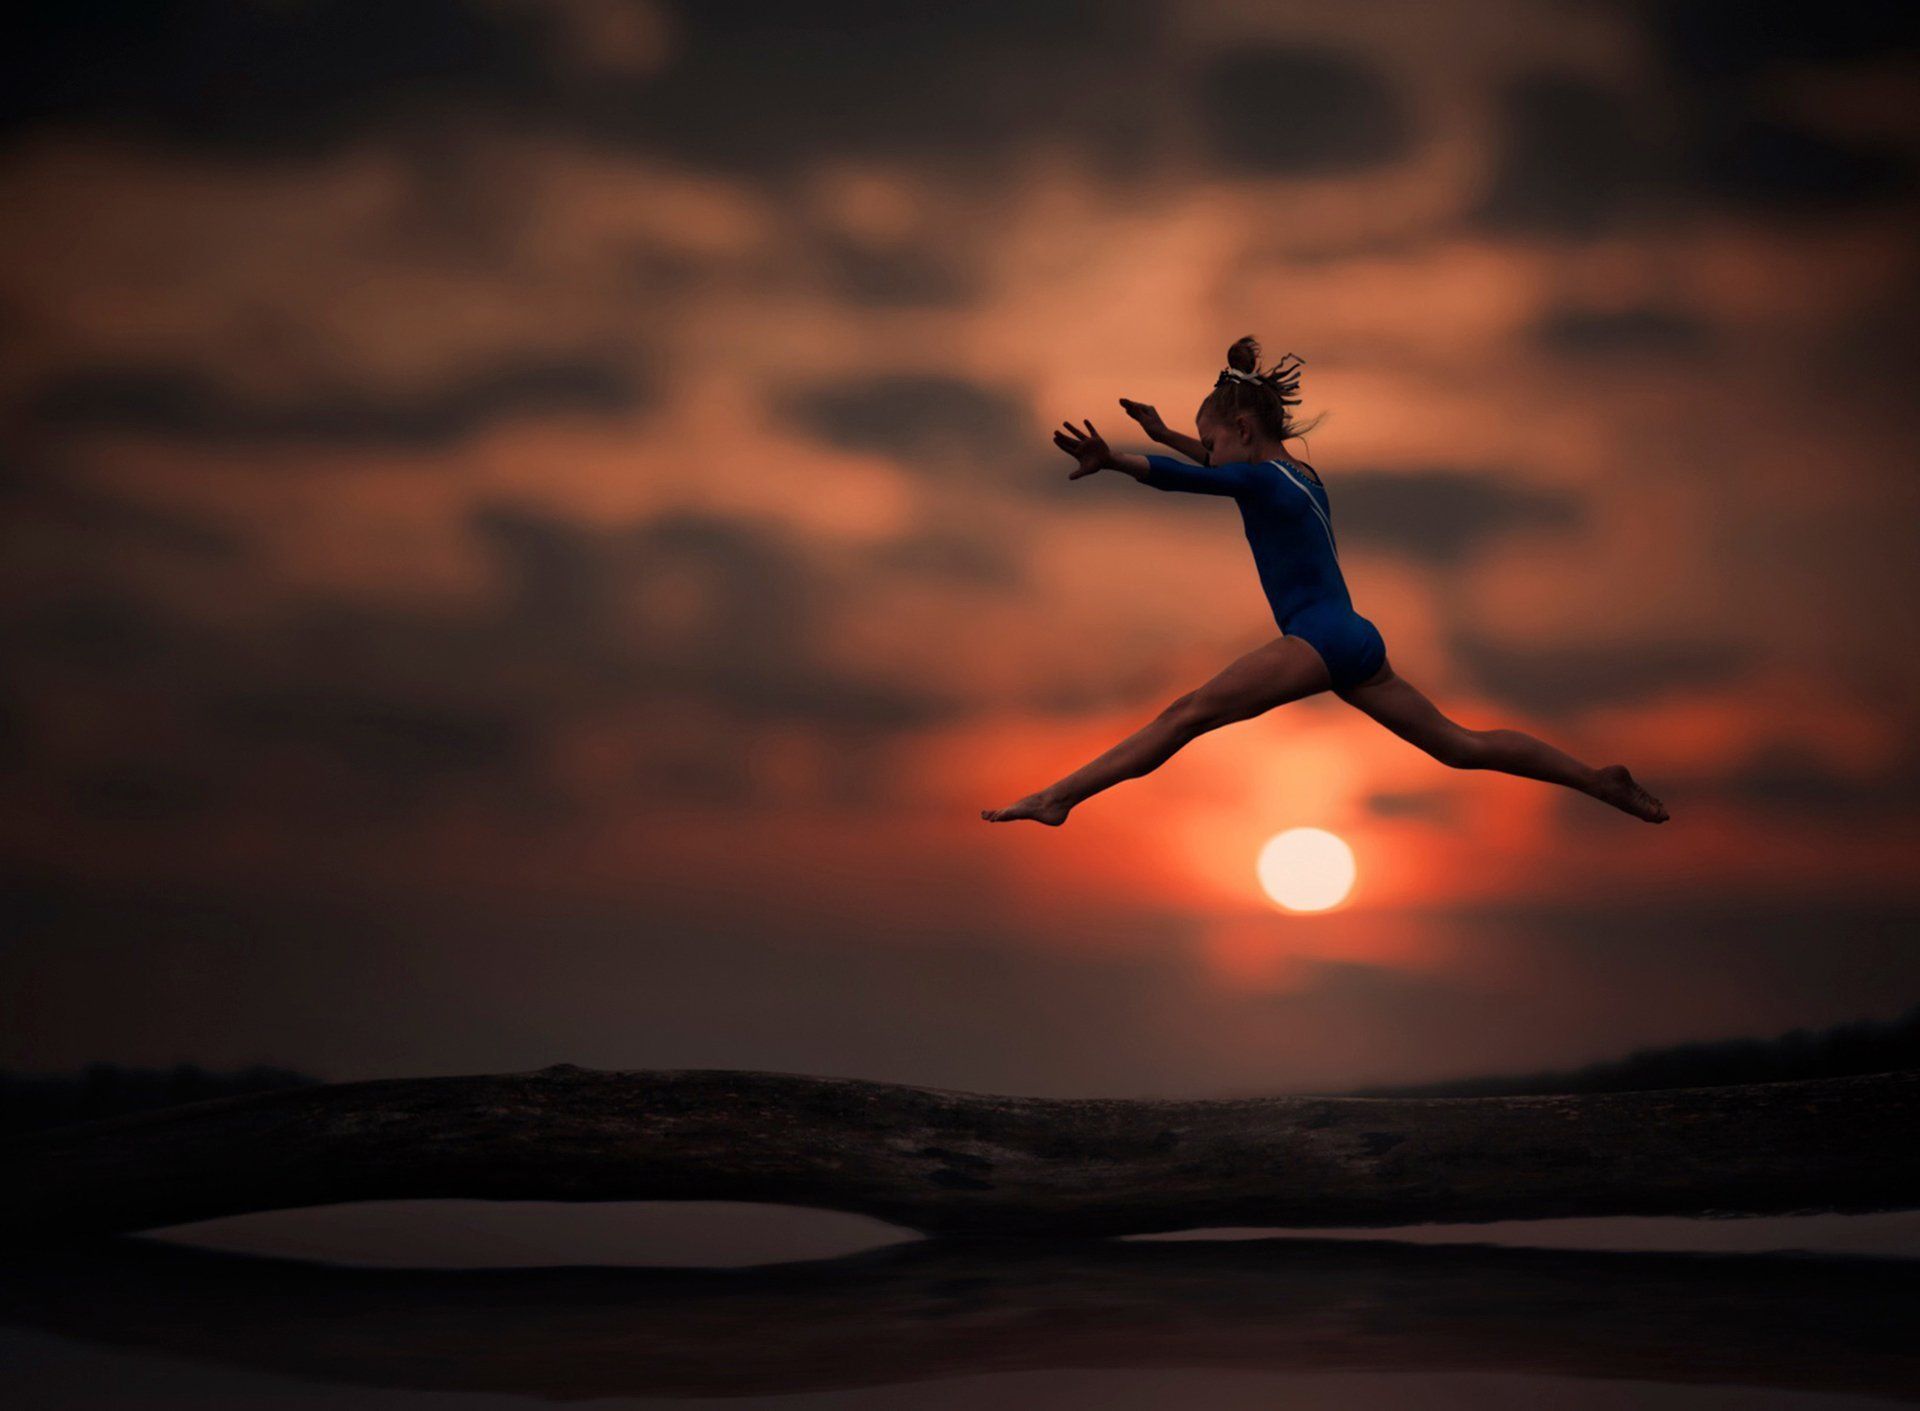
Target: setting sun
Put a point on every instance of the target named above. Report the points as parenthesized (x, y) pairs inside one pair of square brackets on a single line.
[(1306, 869)]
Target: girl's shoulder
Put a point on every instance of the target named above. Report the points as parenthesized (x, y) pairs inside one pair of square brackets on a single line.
[(1288, 466)]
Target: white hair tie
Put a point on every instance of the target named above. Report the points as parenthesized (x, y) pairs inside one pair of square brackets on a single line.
[(1284, 380)]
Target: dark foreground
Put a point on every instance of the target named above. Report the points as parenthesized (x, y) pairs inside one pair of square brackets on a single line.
[(1277, 1310)]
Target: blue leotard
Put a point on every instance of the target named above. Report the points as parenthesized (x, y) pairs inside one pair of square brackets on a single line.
[(1290, 527)]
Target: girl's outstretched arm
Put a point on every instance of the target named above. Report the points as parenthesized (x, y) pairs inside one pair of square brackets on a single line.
[(1158, 471), (1092, 453), (1155, 426), (1166, 473)]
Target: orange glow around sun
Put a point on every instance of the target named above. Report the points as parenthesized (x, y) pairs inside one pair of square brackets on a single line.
[(1306, 869)]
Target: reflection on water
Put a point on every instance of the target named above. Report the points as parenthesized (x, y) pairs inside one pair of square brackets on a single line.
[(918, 1314), (467, 1234)]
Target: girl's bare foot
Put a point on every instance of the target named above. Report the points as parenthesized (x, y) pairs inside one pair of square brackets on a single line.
[(1618, 788), (1034, 806)]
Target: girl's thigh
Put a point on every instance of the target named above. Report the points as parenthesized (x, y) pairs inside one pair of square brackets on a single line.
[(1285, 669)]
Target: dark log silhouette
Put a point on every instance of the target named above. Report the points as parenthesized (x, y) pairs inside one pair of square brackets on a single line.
[(931, 1309), (964, 1163)]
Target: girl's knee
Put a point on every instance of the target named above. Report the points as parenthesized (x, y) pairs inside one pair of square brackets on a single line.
[(1179, 705), (1461, 749)]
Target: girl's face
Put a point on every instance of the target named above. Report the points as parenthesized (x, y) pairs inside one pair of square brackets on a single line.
[(1207, 429), (1227, 441)]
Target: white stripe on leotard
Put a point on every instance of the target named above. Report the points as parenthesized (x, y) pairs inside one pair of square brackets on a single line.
[(1325, 523)]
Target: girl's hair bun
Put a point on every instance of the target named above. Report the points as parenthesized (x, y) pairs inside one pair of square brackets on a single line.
[(1269, 395)]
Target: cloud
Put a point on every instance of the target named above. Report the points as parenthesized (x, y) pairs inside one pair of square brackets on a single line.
[(1793, 782), (1810, 959), (1575, 158), (185, 404), (1442, 515), (689, 605), (926, 421), (145, 791), (1432, 806), (909, 277), (270, 80), (1707, 41), (1300, 111), (763, 84), (1579, 158), (947, 553), (375, 733), (1555, 680), (44, 502), (267, 77), (755, 86), (1735, 62), (1583, 332), (85, 627), (1773, 165)]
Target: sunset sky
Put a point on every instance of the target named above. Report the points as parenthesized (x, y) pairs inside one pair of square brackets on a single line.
[(531, 531)]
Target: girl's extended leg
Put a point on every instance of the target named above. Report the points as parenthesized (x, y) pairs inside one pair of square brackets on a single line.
[(1285, 669), (1415, 719)]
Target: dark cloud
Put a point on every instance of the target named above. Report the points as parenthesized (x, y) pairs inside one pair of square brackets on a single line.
[(1791, 782), (268, 77), (1295, 110), (1432, 806), (43, 502), (743, 631), (141, 791), (910, 277), (1574, 158), (361, 712), (1441, 515), (1708, 40), (1584, 332), (763, 84), (756, 85), (1807, 959), (1762, 162), (373, 732), (925, 420), (1578, 158), (90, 628), (178, 403), (1878, 348), (193, 718), (1563, 679), (945, 553)]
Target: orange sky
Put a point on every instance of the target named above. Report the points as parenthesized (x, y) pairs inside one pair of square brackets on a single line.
[(518, 483)]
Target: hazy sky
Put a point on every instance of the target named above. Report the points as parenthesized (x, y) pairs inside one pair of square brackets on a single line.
[(531, 531)]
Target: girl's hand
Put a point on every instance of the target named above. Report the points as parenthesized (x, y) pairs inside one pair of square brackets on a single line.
[(1149, 419), (1089, 449)]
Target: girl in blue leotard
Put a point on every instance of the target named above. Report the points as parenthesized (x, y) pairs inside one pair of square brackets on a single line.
[(1324, 644)]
